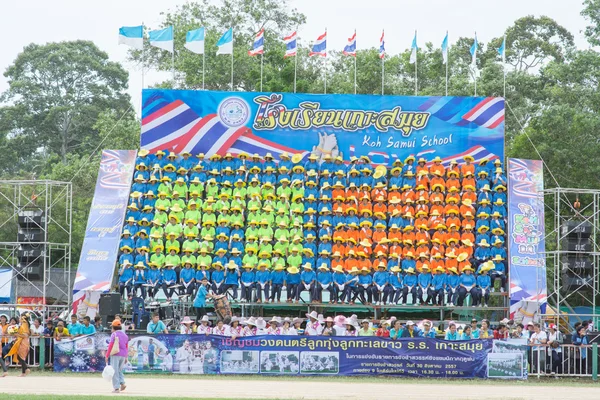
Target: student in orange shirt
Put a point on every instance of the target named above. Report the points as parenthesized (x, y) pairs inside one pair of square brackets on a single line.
[(363, 261), (394, 204), (437, 184), (352, 232), (422, 166), (365, 205), (422, 260), (422, 248), (408, 207), (351, 261), (380, 205), (440, 233), (422, 191), (407, 193), (451, 261), (339, 191), (468, 180), (394, 233), (466, 207), (365, 231), (379, 190), (467, 247), (379, 233), (366, 246), (337, 260), (463, 261), (380, 258), (467, 234), (422, 233), (452, 234), (437, 261), (382, 246), (437, 247), (453, 168), (469, 193), (365, 191), (468, 166), (422, 180), (452, 182), (352, 192), (339, 235), (339, 247), (437, 168), (422, 205)]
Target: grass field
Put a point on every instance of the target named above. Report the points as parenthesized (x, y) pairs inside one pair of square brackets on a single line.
[(532, 381)]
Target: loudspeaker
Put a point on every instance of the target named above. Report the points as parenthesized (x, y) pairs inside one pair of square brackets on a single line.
[(576, 229), (109, 304), (165, 312), (107, 320)]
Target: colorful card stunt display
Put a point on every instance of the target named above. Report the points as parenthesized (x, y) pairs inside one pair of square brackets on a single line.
[(527, 258), (383, 127)]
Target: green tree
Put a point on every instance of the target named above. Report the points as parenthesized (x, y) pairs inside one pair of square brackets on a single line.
[(591, 12), (56, 92)]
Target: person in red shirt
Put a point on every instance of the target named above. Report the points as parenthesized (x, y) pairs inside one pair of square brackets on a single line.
[(383, 330)]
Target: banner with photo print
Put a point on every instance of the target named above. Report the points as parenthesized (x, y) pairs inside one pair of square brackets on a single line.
[(283, 355)]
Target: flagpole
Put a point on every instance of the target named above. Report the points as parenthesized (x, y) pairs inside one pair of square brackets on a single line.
[(504, 64), (203, 64), (382, 74), (325, 65), (296, 58), (261, 71), (475, 64), (416, 77), (355, 55), (143, 55), (232, 59), (173, 64), (447, 62)]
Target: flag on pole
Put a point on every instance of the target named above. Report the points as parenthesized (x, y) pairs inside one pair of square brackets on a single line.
[(474, 50), (162, 38), (291, 45), (258, 46), (445, 49), (382, 45), (320, 46), (350, 49), (225, 44), (414, 47), (132, 36), (194, 41), (502, 48)]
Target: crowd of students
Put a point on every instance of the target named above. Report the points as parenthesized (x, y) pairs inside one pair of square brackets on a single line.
[(255, 226)]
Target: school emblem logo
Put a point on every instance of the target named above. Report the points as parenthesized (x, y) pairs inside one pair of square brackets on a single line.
[(234, 112)]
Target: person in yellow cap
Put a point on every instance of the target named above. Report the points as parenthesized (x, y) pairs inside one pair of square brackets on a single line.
[(292, 280)]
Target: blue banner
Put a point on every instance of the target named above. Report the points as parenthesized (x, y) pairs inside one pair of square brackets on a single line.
[(384, 128), (282, 355), (526, 245), (103, 232)]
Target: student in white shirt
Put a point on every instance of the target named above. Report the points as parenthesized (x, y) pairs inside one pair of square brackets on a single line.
[(555, 339), (537, 338)]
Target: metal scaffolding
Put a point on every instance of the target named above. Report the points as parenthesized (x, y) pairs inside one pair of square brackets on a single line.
[(572, 207), (54, 201)]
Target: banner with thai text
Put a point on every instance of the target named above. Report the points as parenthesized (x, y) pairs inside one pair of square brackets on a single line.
[(103, 232), (526, 244), (384, 128), (284, 355)]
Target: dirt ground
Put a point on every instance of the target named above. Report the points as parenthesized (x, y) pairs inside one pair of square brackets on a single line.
[(290, 389)]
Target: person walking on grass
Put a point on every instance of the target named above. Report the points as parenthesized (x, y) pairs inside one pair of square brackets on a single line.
[(117, 351)]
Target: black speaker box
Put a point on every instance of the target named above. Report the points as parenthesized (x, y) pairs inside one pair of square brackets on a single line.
[(110, 304)]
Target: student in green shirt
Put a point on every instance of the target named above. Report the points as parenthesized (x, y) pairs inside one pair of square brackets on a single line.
[(203, 257), (162, 201), (180, 188), (191, 229), (192, 213), (209, 216), (212, 189), (188, 257), (158, 257), (156, 240), (179, 203), (190, 244), (265, 230), (240, 189), (172, 258), (172, 243), (196, 186), (173, 226), (161, 215), (294, 259), (208, 230)]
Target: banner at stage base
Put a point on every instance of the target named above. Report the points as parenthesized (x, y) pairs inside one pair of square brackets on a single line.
[(384, 128), (526, 244), (284, 355), (103, 232)]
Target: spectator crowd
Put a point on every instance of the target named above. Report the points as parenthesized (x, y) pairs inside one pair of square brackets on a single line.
[(420, 232)]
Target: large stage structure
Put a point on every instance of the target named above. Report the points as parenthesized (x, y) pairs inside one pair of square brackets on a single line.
[(573, 254), (36, 238)]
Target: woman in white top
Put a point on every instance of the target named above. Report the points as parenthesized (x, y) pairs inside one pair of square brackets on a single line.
[(204, 327), (186, 326), (555, 339), (235, 330), (286, 328), (37, 331), (221, 329), (538, 340)]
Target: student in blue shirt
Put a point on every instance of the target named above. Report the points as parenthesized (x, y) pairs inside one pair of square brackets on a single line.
[(438, 284), (156, 326), (74, 327), (87, 328), (276, 279), (351, 286), (153, 277), (217, 278), (292, 280), (427, 331), (186, 278), (339, 284), (381, 286), (232, 275), (424, 283), (467, 285), (410, 285), (396, 284), (451, 287), (307, 282), (365, 284), (248, 283), (483, 285), (126, 279), (262, 277), (467, 333), (452, 333), (169, 278), (139, 279), (324, 282)]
